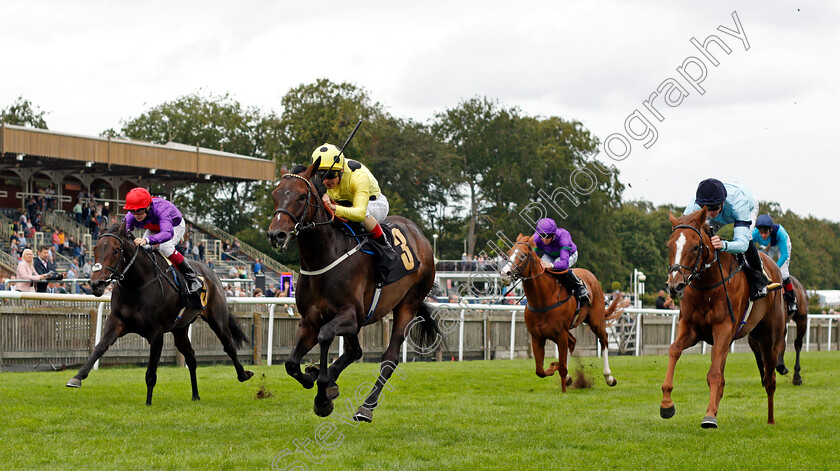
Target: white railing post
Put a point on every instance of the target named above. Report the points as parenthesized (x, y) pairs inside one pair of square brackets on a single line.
[(405, 352), (512, 332), (638, 333), (270, 333), (341, 345), (461, 338), (98, 335), (829, 335), (674, 327), (808, 334)]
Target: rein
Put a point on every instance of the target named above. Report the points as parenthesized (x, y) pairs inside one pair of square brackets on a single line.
[(118, 278)]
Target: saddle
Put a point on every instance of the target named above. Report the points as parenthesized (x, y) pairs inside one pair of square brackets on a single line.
[(196, 300), (387, 270)]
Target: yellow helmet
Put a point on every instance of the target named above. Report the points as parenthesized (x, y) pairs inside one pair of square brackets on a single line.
[(331, 157)]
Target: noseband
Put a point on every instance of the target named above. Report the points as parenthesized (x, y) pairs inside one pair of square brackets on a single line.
[(114, 276), (301, 223), (696, 270)]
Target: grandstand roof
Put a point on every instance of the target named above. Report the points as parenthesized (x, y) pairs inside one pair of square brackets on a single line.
[(28, 147)]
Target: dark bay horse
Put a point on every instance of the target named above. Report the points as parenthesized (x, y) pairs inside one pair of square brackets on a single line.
[(551, 312), (144, 302), (716, 309), (800, 316), (334, 298)]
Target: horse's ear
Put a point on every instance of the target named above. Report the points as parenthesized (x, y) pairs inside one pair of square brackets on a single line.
[(121, 229), (703, 213), (283, 170), (674, 221), (311, 169)]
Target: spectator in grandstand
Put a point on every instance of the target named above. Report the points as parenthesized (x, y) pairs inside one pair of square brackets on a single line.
[(257, 269), (201, 251), (82, 253), (664, 301), (93, 225), (77, 211), (14, 250), (235, 247), (196, 253), (258, 293), (242, 272), (86, 269), (106, 214), (44, 265), (269, 292), (56, 288), (62, 239), (55, 241), (85, 288), (164, 226), (233, 272), (26, 271)]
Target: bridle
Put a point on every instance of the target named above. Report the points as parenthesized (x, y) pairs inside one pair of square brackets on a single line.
[(301, 223), (114, 276), (696, 270), (516, 271)]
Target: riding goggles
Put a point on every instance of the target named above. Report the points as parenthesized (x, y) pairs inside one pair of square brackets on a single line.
[(138, 211), (327, 174), (714, 207)]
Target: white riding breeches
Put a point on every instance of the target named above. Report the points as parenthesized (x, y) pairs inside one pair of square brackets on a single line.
[(378, 208), (572, 259), (168, 248)]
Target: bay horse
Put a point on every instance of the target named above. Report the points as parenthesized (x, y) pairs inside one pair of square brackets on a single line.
[(800, 316), (145, 301), (716, 309), (552, 311), (336, 288)]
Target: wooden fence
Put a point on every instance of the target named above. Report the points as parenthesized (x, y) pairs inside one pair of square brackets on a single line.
[(44, 334)]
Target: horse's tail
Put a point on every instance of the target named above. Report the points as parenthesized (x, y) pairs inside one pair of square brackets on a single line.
[(424, 332), (236, 332), (615, 310)]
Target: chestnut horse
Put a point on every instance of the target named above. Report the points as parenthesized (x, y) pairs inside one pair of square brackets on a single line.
[(800, 316), (552, 311), (716, 309), (336, 288)]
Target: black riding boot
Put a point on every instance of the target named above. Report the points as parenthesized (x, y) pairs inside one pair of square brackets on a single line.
[(193, 283), (576, 286), (388, 252), (758, 288), (790, 300)]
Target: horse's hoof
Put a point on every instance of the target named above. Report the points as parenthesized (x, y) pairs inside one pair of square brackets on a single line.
[(246, 376), (196, 398), (709, 422), (323, 410), (568, 380), (363, 415), (612, 381), (782, 370), (74, 383), (332, 392), (667, 412), (797, 381)]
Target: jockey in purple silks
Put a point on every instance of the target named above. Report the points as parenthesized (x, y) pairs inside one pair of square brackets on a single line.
[(556, 250)]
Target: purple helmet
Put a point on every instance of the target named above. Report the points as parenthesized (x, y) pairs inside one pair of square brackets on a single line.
[(546, 227)]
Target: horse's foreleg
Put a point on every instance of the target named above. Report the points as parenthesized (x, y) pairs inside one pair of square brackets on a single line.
[(156, 344), (538, 345), (685, 338), (562, 365), (305, 339), (344, 323), (114, 329), (722, 334), (351, 354), (182, 343)]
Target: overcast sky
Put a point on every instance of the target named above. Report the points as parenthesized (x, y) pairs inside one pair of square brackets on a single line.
[(768, 117)]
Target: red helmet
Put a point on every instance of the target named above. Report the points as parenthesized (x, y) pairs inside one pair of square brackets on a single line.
[(137, 198)]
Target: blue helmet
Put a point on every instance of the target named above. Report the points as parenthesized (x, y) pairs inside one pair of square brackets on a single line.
[(710, 192), (546, 227), (764, 221)]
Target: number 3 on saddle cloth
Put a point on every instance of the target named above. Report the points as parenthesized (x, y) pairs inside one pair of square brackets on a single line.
[(387, 270)]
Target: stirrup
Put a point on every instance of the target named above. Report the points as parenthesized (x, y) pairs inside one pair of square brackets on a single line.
[(762, 292)]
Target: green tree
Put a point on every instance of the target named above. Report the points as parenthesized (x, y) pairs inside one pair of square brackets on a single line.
[(23, 113)]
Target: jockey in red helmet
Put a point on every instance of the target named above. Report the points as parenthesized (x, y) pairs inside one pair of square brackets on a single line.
[(164, 226)]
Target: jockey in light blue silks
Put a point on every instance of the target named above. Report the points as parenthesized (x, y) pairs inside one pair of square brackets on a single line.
[(730, 203), (556, 250), (773, 240)]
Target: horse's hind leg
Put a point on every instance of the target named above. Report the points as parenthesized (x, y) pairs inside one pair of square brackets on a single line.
[(114, 329), (562, 366), (182, 343), (769, 351), (156, 344), (600, 331), (230, 335), (344, 323), (780, 364), (797, 344)]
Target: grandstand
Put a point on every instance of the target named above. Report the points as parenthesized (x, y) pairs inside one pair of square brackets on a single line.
[(46, 174)]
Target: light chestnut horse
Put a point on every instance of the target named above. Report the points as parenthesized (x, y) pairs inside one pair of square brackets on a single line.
[(716, 309), (552, 311)]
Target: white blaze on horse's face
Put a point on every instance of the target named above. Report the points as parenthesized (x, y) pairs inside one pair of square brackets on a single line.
[(678, 254)]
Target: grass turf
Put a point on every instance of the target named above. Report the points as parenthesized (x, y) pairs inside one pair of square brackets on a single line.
[(471, 415)]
